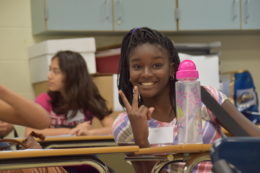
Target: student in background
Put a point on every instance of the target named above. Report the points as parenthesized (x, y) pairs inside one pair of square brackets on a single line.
[(16, 109), (73, 99), (146, 86)]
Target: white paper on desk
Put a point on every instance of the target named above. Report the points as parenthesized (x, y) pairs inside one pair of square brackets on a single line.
[(160, 135)]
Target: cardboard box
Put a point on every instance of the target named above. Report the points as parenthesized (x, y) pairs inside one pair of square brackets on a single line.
[(41, 53), (107, 86), (107, 61)]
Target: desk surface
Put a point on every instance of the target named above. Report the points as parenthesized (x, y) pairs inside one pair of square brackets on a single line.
[(77, 138), (72, 138), (75, 141), (65, 152), (181, 148)]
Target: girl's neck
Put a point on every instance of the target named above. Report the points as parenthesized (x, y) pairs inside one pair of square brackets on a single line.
[(163, 113), (163, 109)]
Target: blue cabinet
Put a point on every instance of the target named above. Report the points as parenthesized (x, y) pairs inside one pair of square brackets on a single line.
[(101, 15), (71, 15), (218, 14), (156, 14), (209, 14), (250, 14), (122, 15)]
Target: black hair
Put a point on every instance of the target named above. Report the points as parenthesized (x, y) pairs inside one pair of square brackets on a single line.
[(131, 40), (81, 92)]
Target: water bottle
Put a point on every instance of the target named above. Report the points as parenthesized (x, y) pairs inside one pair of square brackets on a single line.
[(188, 103)]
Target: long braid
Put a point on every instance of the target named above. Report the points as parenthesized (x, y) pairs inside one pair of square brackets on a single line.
[(134, 38)]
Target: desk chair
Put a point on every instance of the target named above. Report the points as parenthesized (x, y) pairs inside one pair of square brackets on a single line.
[(190, 154), (236, 154)]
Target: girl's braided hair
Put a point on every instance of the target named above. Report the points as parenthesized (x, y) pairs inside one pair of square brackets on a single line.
[(134, 38)]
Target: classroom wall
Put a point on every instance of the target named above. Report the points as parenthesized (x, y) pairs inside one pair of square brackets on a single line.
[(240, 50)]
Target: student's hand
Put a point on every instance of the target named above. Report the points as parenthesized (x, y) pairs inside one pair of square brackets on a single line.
[(5, 128), (82, 129), (138, 117)]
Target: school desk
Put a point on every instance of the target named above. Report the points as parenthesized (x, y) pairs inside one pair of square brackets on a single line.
[(77, 141), (59, 157), (191, 154), (52, 142)]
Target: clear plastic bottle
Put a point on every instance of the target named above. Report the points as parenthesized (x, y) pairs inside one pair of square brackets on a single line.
[(188, 103)]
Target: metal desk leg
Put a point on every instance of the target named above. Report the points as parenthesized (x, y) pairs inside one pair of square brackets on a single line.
[(158, 167), (195, 160)]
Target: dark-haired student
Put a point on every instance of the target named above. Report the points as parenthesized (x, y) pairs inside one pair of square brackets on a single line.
[(73, 99), (146, 84)]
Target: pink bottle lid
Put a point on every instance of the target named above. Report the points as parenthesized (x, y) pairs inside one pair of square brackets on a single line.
[(187, 70)]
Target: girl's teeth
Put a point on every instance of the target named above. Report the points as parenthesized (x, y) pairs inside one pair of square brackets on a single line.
[(148, 83)]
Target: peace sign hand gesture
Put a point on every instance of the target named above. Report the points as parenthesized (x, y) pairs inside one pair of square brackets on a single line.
[(138, 117)]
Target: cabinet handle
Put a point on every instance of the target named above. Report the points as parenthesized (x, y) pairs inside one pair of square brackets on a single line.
[(246, 9), (107, 10), (119, 8), (235, 9)]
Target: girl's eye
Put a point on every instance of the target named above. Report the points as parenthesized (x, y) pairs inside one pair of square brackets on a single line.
[(55, 71), (136, 66), (157, 66)]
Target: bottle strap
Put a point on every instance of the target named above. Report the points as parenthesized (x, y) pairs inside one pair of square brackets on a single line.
[(223, 117)]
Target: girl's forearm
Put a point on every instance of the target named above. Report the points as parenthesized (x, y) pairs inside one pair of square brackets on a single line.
[(23, 111), (246, 124), (100, 131), (49, 131)]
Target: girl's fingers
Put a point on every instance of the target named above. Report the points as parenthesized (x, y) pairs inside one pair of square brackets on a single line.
[(73, 131), (135, 98), (125, 101), (150, 112), (147, 112)]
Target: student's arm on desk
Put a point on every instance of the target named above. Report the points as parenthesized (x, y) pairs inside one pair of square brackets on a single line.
[(244, 123), (16, 109), (5, 128), (86, 129), (49, 131)]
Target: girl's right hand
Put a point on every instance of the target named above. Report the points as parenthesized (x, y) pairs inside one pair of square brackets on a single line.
[(81, 129), (138, 117)]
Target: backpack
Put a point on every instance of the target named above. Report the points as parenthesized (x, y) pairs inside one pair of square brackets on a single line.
[(240, 88)]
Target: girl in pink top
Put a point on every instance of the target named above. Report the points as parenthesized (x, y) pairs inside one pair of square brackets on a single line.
[(72, 99)]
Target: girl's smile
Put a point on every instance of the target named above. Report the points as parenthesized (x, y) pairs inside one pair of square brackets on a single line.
[(149, 69)]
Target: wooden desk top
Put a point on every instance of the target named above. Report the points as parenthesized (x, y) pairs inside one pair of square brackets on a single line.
[(74, 141), (77, 138), (181, 148), (72, 138), (65, 152)]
